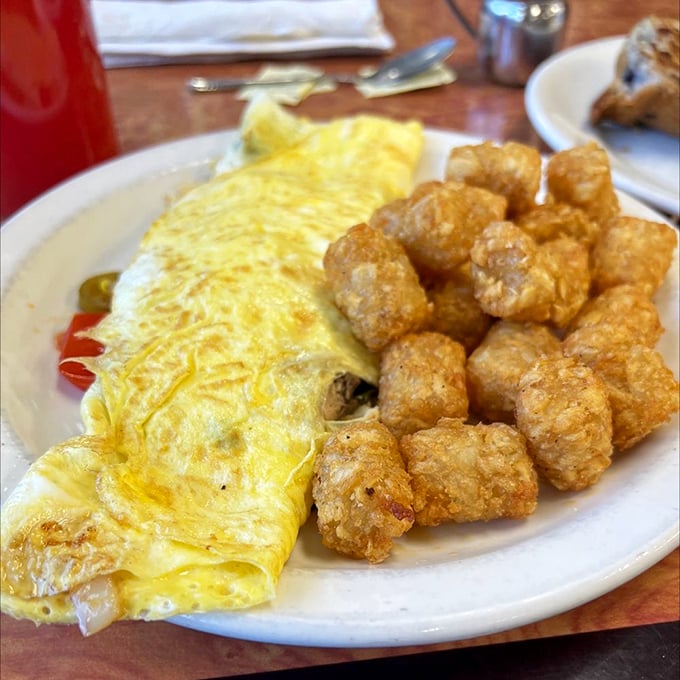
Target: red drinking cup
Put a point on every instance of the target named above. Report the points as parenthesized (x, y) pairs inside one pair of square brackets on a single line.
[(56, 117)]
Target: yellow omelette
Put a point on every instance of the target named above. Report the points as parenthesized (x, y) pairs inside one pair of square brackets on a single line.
[(187, 489)]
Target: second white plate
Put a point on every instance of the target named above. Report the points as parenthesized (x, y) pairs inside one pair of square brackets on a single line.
[(558, 98)]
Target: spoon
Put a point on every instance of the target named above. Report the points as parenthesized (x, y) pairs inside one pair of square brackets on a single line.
[(393, 70)]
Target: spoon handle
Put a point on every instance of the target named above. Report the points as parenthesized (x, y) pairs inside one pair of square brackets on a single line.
[(200, 84)]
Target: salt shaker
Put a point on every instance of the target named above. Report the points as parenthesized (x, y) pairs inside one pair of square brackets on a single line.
[(515, 36)]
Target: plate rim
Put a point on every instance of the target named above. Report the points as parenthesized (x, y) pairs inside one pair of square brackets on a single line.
[(253, 624)]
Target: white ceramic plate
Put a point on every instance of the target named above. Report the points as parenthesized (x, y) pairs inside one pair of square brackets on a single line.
[(558, 98), (441, 584)]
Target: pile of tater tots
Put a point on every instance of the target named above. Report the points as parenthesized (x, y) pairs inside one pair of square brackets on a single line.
[(516, 341)]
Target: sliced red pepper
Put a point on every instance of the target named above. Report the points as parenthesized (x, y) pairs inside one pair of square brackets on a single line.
[(73, 346)]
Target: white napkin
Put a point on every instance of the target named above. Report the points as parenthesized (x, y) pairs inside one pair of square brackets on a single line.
[(139, 32)]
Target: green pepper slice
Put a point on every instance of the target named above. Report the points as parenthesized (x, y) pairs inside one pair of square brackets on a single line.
[(94, 294)]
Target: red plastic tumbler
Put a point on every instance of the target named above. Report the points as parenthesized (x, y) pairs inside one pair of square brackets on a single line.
[(56, 116)]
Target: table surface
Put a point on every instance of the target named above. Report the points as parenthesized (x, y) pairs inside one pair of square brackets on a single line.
[(152, 106)]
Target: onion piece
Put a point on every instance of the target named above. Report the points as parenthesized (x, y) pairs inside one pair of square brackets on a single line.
[(96, 604)]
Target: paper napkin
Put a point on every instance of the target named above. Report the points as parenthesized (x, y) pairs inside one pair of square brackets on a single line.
[(139, 32)]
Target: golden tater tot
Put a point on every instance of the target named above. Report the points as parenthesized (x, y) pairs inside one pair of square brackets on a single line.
[(511, 169), (422, 378), (467, 473), (553, 220), (456, 312), (581, 176), (375, 286), (387, 217), (441, 221), (513, 278), (633, 250), (643, 391), (571, 273), (496, 365), (362, 492), (624, 304), (563, 411), (588, 343)]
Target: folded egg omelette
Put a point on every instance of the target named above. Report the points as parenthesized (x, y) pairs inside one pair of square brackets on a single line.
[(187, 489)]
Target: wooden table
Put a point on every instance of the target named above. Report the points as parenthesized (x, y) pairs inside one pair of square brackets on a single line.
[(152, 106)]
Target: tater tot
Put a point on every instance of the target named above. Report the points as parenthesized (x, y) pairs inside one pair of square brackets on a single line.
[(467, 473), (581, 176), (441, 221), (422, 378), (375, 286), (624, 304), (362, 492), (643, 392), (456, 312), (563, 411), (553, 220), (511, 169), (633, 250), (571, 272), (387, 217), (513, 278), (588, 343), (496, 365)]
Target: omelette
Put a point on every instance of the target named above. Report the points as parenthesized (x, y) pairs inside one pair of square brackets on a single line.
[(188, 486)]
